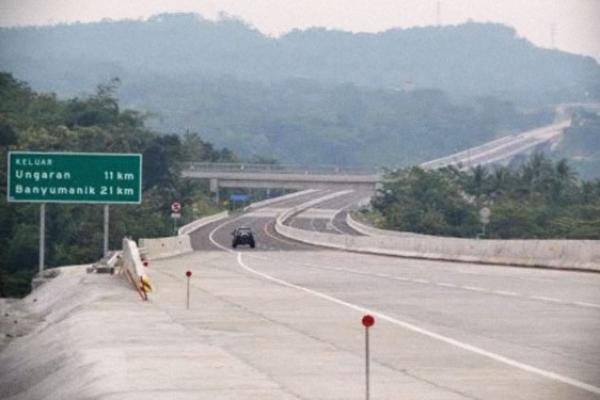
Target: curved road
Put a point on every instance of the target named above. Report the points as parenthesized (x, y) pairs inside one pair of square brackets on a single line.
[(285, 318)]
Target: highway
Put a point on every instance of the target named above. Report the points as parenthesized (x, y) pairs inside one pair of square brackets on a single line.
[(283, 320), (502, 149)]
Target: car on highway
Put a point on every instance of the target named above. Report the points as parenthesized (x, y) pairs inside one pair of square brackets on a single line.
[(243, 235)]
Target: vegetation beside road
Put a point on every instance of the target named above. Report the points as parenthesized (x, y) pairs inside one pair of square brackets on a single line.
[(41, 122), (541, 199), (581, 144)]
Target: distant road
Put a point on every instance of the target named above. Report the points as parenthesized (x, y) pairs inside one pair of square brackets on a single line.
[(501, 150)]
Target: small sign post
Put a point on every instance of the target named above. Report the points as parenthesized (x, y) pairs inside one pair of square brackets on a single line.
[(484, 218), (367, 321), (175, 215), (189, 276)]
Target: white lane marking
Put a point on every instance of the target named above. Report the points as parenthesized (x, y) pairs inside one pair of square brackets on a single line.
[(266, 230), (444, 284), (451, 285), (311, 223), (465, 346), (331, 220), (420, 280), (212, 233), (506, 293), (335, 228), (586, 304), (475, 288), (544, 298)]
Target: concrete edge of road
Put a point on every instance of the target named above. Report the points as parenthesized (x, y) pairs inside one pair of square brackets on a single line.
[(164, 247), (371, 231), (134, 269), (270, 201), (192, 226), (587, 266), (573, 255), (170, 246)]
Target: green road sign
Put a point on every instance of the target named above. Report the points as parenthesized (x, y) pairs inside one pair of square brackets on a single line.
[(106, 178)]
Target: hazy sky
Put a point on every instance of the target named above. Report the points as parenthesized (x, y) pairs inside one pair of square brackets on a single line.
[(576, 22)]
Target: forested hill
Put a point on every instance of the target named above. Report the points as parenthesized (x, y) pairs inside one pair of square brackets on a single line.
[(466, 60)]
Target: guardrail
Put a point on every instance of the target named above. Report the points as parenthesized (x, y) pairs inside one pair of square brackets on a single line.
[(277, 169)]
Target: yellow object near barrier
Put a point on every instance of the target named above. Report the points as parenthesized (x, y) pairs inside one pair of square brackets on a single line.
[(146, 285)]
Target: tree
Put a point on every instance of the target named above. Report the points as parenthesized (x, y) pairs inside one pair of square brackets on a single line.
[(423, 201), (539, 199), (42, 122)]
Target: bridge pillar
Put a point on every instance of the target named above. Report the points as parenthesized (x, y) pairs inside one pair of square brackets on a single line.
[(214, 187)]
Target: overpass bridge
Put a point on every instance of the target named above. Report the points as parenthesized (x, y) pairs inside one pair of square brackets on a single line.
[(268, 176)]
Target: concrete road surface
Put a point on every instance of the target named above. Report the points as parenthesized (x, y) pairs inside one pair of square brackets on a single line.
[(443, 330), (282, 321)]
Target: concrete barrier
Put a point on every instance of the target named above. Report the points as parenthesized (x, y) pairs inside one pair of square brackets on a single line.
[(561, 254), (191, 227), (133, 268), (156, 248), (267, 202), (371, 231)]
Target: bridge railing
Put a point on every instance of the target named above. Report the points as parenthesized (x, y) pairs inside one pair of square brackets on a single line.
[(277, 169)]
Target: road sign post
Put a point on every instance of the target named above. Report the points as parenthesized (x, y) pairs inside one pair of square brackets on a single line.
[(484, 218), (175, 215), (106, 220), (86, 178), (42, 249), (367, 322)]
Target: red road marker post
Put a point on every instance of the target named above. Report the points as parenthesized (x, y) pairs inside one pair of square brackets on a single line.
[(367, 321), (189, 275)]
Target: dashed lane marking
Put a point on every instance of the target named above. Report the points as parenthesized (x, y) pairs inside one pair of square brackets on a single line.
[(444, 284), (586, 304), (455, 286), (475, 288), (462, 345), (420, 280), (544, 298), (506, 293)]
